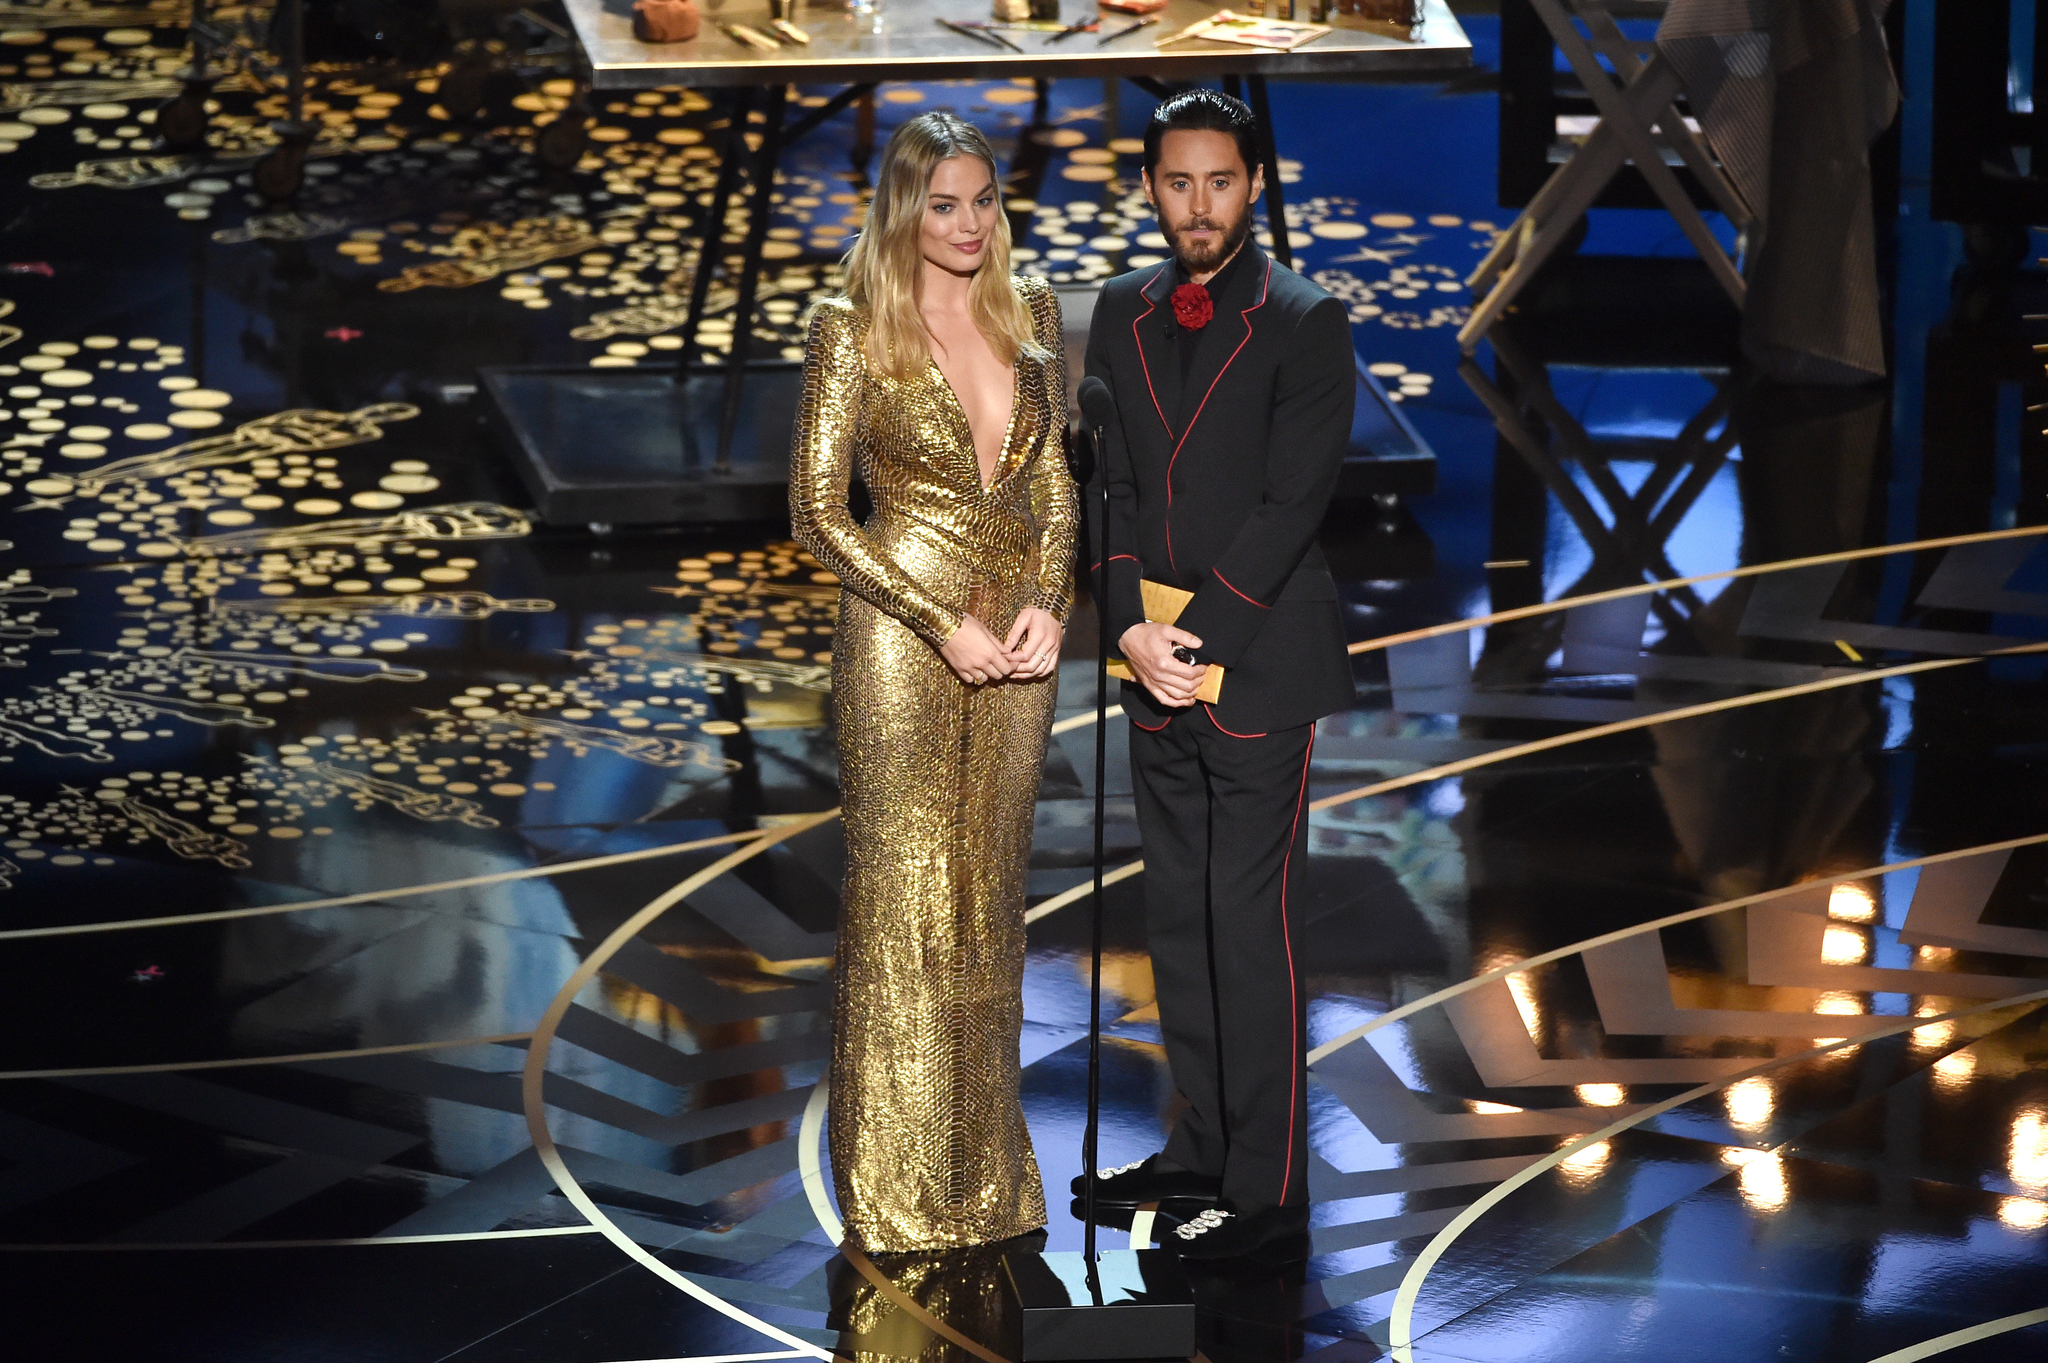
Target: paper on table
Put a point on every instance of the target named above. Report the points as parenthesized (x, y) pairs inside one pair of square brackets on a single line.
[(1278, 35)]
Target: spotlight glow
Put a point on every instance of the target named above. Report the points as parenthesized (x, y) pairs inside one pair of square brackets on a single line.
[(1750, 1103), (1852, 903), (1763, 1184), (2023, 1213)]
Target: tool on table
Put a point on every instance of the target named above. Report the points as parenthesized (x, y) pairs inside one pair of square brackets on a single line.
[(989, 31), (996, 30), (1088, 25), (751, 37), (790, 31), (1129, 28), (966, 32)]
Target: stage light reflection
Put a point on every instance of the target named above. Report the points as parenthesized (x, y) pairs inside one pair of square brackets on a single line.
[(1763, 1184), (1841, 945), (1954, 1068), (1493, 1109), (1852, 903), (1525, 1003), (2023, 1213), (2027, 1158), (1601, 1095), (1750, 1103), (1933, 1034), (1585, 1165)]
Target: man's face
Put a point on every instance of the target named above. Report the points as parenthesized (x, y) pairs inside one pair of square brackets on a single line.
[(1203, 193)]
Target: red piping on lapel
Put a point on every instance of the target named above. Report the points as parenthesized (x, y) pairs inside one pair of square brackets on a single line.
[(1150, 308), (1114, 557), (1265, 287), (1153, 728), (1226, 582)]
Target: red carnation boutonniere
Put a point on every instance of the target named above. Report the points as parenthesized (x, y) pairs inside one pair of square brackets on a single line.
[(1192, 306)]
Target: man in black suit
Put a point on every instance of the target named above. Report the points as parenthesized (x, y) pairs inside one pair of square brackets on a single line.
[(1233, 379)]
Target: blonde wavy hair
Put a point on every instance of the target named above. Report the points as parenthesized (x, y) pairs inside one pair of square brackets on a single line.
[(885, 268)]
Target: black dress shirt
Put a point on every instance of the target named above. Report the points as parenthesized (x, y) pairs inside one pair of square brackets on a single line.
[(1186, 341)]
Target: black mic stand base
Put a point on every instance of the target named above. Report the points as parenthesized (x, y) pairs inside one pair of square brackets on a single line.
[(1139, 1305)]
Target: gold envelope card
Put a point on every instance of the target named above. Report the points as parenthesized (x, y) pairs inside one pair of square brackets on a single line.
[(1163, 605)]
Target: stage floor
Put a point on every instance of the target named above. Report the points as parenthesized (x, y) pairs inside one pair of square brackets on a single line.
[(1678, 962)]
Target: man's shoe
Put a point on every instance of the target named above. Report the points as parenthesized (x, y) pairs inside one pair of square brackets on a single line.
[(1273, 1235), (1133, 1185)]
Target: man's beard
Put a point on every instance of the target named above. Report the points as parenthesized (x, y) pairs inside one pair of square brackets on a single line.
[(1206, 260)]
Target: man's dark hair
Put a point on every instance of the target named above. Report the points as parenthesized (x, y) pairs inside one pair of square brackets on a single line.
[(1203, 110)]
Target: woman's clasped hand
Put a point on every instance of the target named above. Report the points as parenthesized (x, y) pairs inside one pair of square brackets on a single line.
[(1031, 651)]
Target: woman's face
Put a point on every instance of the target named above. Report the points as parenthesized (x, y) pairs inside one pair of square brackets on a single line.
[(960, 208)]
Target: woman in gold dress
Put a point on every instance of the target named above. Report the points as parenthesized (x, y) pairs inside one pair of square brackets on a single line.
[(939, 378)]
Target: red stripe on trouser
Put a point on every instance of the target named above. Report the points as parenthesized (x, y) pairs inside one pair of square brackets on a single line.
[(1294, 1060)]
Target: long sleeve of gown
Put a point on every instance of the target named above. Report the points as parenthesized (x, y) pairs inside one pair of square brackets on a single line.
[(821, 472), (1055, 502)]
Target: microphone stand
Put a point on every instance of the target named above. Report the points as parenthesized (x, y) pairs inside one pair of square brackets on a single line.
[(1092, 1129)]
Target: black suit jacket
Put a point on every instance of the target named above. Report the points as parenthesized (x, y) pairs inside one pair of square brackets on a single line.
[(1219, 484)]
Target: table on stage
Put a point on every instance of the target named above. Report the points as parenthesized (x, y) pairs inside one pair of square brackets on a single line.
[(549, 413)]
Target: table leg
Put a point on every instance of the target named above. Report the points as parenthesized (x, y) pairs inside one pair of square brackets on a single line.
[(750, 273), (1269, 156), (864, 131), (711, 228)]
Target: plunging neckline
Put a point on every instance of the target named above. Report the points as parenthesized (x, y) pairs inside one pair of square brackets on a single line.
[(1009, 426)]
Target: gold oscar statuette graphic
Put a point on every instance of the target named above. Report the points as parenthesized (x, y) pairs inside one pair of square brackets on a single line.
[(301, 430), (487, 251), (417, 605), (455, 521)]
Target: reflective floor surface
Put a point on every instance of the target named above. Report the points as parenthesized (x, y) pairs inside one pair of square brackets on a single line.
[(417, 919)]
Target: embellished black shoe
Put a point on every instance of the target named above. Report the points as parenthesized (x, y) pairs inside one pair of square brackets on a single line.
[(1133, 1185), (1271, 1235)]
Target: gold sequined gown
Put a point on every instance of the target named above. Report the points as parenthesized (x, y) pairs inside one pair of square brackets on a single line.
[(939, 779)]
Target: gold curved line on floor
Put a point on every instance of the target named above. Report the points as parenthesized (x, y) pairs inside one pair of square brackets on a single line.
[(902, 1302), (1674, 583), (451, 1238), (1400, 1339), (536, 1067), (810, 1136), (1956, 1339), (379, 896), (1080, 892), (251, 1061), (1084, 719), (1622, 726), (1444, 995)]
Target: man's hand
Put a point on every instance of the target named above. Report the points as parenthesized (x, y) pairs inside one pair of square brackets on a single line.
[(1148, 648)]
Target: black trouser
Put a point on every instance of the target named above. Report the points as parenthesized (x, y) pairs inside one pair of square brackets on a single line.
[(1225, 825)]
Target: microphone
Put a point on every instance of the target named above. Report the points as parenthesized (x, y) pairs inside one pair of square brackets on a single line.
[(1098, 404)]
